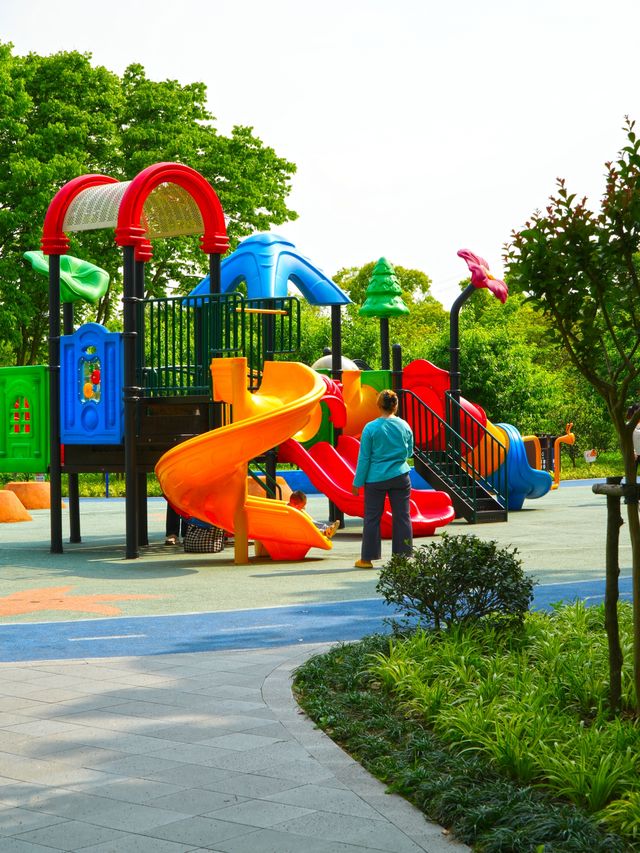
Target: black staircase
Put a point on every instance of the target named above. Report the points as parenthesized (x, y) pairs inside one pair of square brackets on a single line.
[(456, 461)]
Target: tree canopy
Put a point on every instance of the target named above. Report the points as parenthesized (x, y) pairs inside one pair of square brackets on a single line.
[(581, 270), (61, 117)]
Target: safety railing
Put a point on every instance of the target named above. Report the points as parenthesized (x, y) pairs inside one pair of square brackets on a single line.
[(270, 328), (468, 460), (438, 447), (488, 459), (178, 337)]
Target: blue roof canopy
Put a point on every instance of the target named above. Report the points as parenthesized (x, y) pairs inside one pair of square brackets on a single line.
[(267, 262)]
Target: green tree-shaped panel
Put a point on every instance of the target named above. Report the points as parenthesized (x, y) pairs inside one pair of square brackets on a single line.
[(383, 297)]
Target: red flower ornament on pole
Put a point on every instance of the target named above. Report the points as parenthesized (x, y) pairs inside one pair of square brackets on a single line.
[(481, 277)]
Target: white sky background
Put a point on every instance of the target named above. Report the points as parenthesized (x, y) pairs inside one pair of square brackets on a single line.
[(418, 128)]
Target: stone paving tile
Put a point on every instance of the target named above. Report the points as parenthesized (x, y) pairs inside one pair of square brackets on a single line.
[(153, 710), (134, 817), (42, 728), (64, 803), (80, 755), (189, 775), (201, 831), (128, 843), (71, 835), (7, 718), (143, 791), (326, 800), (48, 772), (249, 761), (20, 794), (197, 731), (260, 813), (139, 766), (375, 834), (306, 771), (196, 753), (16, 820), (241, 741), (16, 845), (276, 841), (197, 801), (248, 785), (18, 703)]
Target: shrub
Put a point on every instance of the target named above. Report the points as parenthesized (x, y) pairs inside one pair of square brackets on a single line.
[(457, 580)]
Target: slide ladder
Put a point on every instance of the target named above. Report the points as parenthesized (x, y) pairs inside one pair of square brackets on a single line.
[(472, 469)]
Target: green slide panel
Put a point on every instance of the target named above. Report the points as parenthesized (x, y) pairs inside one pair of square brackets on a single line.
[(378, 379), (24, 428)]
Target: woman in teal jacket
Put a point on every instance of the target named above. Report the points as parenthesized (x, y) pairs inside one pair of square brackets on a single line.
[(385, 446)]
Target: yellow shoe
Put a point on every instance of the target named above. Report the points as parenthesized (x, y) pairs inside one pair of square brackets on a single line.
[(363, 564), (332, 529)]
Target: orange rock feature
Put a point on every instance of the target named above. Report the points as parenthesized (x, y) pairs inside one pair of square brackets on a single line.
[(11, 508), (33, 495)]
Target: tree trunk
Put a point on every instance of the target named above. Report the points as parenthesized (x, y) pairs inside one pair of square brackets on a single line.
[(625, 431), (611, 595), (634, 535)]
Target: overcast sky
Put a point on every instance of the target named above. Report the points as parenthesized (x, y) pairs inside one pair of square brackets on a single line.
[(417, 127)]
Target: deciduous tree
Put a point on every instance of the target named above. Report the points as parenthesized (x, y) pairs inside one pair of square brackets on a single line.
[(61, 117), (581, 269)]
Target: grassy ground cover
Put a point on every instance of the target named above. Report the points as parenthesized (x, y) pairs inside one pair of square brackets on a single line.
[(607, 464), (503, 737)]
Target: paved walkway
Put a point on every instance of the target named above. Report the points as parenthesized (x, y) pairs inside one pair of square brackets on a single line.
[(176, 753)]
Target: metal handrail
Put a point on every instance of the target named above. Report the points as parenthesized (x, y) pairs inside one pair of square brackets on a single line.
[(437, 445), (489, 458), (453, 457)]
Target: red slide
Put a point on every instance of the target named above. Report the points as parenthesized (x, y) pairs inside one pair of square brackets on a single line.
[(331, 471)]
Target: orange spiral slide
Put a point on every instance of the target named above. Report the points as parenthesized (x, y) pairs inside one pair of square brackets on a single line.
[(206, 476)]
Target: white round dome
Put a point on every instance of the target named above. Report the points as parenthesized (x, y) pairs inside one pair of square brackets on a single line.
[(325, 363)]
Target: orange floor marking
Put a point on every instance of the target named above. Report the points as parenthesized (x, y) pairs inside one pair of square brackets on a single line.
[(56, 598)]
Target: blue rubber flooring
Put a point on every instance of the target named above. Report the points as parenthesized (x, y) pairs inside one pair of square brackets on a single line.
[(342, 621)]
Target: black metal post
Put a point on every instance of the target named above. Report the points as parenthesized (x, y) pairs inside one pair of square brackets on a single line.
[(141, 484), (384, 343), (335, 513), (72, 479), (214, 288), (214, 274), (454, 367), (336, 343), (396, 373), (130, 393), (55, 473), (454, 342)]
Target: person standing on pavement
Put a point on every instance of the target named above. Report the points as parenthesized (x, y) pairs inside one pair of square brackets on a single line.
[(385, 446)]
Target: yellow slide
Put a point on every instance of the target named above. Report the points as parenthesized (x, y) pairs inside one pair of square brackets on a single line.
[(206, 476)]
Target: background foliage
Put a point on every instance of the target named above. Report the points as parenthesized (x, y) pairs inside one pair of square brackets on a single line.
[(60, 117)]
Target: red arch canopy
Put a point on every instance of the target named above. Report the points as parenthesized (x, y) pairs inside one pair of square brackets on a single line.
[(129, 230)]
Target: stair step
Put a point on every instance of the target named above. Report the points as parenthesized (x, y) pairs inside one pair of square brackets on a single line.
[(487, 516)]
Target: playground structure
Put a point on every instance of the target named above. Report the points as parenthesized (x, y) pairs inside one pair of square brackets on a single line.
[(193, 390)]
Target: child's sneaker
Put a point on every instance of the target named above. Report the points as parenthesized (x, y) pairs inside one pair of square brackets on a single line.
[(332, 529)]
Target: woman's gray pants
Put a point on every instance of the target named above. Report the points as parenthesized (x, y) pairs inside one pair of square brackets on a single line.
[(398, 489)]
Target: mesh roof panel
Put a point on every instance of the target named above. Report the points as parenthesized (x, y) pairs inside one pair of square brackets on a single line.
[(169, 210), (95, 207)]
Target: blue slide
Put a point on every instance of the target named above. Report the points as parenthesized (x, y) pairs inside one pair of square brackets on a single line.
[(523, 480)]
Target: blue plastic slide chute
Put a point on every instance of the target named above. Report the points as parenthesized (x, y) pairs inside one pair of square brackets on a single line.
[(523, 480), (267, 262)]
